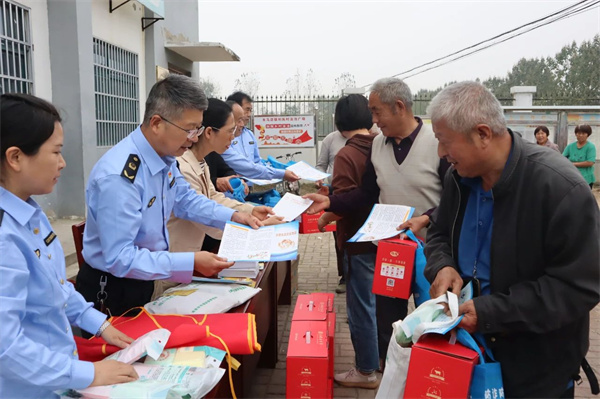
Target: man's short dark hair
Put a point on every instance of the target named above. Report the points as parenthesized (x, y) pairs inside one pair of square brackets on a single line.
[(239, 97), (173, 95), (352, 113)]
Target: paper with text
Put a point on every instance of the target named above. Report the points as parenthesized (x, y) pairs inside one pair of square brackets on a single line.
[(290, 206), (269, 243), (382, 222), (307, 172), (243, 243)]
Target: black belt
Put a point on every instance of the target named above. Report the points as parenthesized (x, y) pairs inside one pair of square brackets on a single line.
[(110, 294)]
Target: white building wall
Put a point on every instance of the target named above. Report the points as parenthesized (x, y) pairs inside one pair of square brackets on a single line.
[(38, 18), (122, 28)]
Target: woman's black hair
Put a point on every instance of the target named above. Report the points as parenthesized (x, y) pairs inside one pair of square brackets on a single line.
[(543, 129), (26, 122), (217, 113), (352, 113), (587, 129)]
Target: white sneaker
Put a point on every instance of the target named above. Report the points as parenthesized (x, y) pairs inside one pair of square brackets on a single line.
[(354, 378)]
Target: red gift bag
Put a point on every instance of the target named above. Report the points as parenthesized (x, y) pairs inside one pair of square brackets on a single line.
[(236, 330)]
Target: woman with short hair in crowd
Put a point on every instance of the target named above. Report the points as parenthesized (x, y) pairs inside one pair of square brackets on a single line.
[(582, 153), (542, 137)]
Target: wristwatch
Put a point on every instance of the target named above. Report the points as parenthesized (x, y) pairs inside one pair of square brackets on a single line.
[(103, 327)]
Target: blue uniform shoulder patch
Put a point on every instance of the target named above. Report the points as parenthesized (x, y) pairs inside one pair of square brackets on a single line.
[(131, 167)]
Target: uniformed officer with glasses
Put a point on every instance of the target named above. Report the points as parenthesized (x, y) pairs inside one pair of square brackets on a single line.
[(131, 193)]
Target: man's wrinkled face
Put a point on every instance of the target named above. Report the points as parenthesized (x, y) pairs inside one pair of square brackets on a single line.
[(459, 149), (387, 118), (247, 107), (238, 116), (174, 139)]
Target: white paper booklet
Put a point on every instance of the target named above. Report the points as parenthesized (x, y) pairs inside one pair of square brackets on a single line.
[(241, 269), (307, 172), (243, 243), (269, 243), (382, 222), (262, 182), (290, 206)]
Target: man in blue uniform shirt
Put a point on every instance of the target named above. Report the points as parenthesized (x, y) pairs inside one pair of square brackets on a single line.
[(131, 193), (243, 156)]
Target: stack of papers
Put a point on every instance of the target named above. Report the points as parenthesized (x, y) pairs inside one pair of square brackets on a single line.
[(307, 172), (241, 269), (261, 182), (270, 243), (290, 206), (383, 222)]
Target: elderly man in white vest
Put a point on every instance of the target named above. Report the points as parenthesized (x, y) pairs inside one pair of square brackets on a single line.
[(403, 169)]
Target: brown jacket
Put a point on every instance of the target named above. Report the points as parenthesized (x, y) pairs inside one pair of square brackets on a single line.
[(348, 169)]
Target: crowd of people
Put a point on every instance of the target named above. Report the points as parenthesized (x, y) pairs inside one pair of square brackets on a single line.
[(517, 219)]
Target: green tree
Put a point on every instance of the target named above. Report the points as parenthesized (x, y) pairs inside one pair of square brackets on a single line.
[(572, 76)]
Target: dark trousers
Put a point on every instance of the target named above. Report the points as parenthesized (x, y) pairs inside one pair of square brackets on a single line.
[(388, 310), (339, 256), (210, 244), (122, 294), (569, 393)]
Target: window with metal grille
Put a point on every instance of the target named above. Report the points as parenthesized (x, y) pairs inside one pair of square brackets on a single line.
[(15, 41), (116, 84)]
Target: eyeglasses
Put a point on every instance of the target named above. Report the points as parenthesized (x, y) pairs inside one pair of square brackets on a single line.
[(217, 129), (190, 133)]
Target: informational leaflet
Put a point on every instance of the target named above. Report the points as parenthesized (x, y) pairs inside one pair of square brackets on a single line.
[(307, 172), (269, 243), (290, 206), (243, 243), (262, 182), (383, 222)]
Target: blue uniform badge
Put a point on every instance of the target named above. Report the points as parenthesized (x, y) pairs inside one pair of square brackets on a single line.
[(151, 201), (170, 176), (48, 240), (131, 167), (37, 252)]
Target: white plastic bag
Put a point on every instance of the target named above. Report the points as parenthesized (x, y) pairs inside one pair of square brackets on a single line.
[(396, 368), (160, 382), (429, 317), (201, 298), (152, 344)]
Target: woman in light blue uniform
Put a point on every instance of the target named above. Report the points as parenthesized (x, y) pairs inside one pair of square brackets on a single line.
[(38, 305)]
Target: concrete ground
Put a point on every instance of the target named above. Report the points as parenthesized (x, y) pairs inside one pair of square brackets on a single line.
[(317, 273)]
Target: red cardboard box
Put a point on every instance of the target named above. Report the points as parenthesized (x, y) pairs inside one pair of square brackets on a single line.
[(331, 341), (307, 364), (309, 224), (438, 369), (394, 268), (326, 297), (311, 307)]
